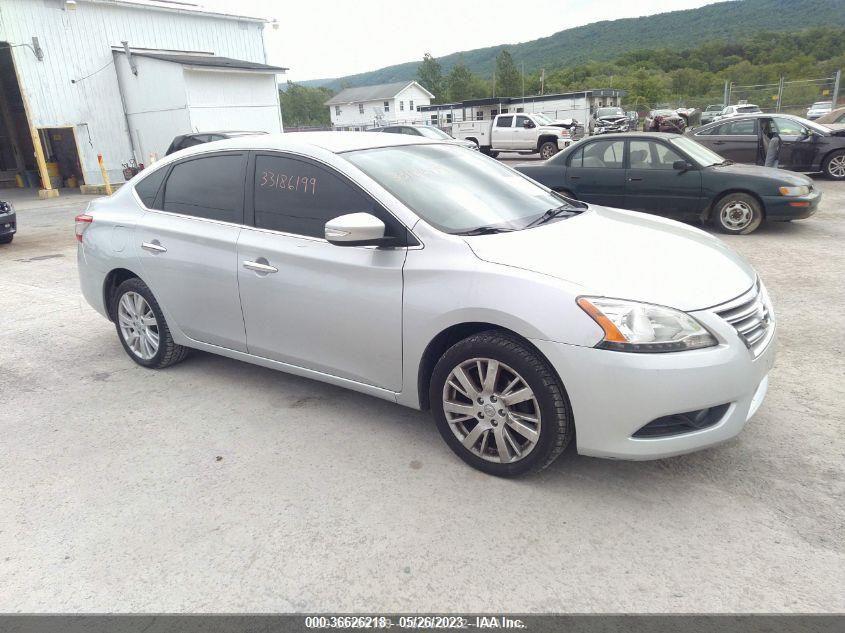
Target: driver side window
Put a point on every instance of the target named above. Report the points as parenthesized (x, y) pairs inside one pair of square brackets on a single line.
[(788, 127)]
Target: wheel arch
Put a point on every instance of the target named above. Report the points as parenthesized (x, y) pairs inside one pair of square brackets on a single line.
[(708, 212), (447, 337), (546, 138), (825, 158), (113, 279)]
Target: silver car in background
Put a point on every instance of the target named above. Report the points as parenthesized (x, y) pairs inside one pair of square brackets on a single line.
[(434, 277)]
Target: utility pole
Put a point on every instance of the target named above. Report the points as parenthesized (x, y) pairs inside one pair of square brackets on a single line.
[(836, 88), (523, 86), (542, 80), (780, 94), (727, 95)]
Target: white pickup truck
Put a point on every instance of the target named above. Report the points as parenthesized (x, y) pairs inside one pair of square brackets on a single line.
[(519, 132)]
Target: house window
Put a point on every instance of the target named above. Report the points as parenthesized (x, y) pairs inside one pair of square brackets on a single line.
[(401, 106), (434, 118), (504, 110), (360, 108), (479, 116), (411, 105), (387, 106), (448, 117), (418, 108), (337, 110)]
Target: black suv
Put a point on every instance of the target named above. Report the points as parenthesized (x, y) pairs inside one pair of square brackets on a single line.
[(189, 140), (8, 222)]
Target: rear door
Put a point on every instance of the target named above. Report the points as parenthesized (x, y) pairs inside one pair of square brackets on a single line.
[(655, 186), (734, 139), (596, 172), (188, 239), (502, 132)]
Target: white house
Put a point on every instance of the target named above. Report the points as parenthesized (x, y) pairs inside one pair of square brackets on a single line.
[(373, 106), (121, 78)]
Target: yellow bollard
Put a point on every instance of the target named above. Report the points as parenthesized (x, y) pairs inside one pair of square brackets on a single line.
[(105, 174)]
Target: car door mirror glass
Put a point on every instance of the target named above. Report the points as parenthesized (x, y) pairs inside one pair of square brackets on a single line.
[(356, 229), (681, 165)]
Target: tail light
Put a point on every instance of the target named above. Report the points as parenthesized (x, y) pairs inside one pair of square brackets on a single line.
[(82, 221)]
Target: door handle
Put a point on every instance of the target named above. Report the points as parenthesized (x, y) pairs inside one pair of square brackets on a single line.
[(634, 179), (719, 142), (153, 247), (260, 267), (574, 177)]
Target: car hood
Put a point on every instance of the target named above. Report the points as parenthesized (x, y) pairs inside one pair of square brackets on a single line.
[(782, 175), (625, 255)]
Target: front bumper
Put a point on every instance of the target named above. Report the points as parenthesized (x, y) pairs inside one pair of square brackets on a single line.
[(608, 129), (563, 142), (8, 224), (614, 394), (780, 208)]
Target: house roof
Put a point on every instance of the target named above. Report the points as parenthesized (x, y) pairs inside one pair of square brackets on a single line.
[(372, 93), (210, 61)]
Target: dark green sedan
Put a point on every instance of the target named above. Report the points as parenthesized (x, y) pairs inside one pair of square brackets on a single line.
[(676, 177)]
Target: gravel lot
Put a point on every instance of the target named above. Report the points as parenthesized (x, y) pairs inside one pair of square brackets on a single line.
[(219, 486)]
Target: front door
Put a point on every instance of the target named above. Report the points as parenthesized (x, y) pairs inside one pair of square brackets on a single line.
[(187, 241), (654, 185), (524, 137), (735, 139), (308, 303), (596, 172), (797, 146)]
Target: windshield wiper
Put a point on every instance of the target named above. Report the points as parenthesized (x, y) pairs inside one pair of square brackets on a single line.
[(485, 230), (553, 213)]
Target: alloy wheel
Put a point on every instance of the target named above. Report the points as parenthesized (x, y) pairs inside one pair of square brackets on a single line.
[(736, 215), (138, 325), (492, 410), (836, 166)]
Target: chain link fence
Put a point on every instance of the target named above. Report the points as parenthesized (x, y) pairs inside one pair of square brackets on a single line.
[(787, 95)]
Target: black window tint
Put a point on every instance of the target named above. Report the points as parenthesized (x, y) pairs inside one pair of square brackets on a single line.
[(148, 188), (190, 141), (299, 197), (209, 187), (504, 121)]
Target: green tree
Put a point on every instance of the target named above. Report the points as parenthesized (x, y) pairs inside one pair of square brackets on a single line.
[(430, 76), (304, 106), (460, 83), (508, 80)]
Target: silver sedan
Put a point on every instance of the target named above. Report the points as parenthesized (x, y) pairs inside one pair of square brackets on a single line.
[(435, 277)]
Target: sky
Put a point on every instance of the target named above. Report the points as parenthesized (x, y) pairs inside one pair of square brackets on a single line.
[(321, 39)]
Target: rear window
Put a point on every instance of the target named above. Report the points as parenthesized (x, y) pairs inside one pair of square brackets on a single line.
[(147, 189), (210, 187)]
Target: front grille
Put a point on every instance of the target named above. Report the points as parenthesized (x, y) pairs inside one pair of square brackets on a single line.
[(680, 423), (751, 317)]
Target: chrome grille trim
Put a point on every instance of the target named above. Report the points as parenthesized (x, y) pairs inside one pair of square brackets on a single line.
[(751, 317)]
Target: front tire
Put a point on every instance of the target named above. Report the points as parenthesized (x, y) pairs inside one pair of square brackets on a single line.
[(141, 327), (834, 165), (737, 214), (547, 150), (499, 405)]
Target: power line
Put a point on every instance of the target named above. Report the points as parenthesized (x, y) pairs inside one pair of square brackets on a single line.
[(76, 81)]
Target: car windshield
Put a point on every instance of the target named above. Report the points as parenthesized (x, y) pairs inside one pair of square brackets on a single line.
[(610, 112), (435, 133), (700, 154), (455, 190)]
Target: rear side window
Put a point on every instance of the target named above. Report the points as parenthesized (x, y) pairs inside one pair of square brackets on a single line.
[(210, 187), (600, 154), (147, 189), (504, 121), (299, 197)]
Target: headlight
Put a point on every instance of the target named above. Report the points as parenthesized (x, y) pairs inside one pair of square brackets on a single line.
[(630, 326), (803, 190)]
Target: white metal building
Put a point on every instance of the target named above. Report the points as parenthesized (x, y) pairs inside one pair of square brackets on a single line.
[(121, 78), (373, 106)]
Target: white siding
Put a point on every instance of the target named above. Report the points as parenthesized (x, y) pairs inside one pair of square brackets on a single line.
[(374, 114), (232, 101), (77, 43)]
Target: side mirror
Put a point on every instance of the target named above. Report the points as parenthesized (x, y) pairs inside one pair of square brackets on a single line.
[(681, 165), (356, 229), (528, 124)]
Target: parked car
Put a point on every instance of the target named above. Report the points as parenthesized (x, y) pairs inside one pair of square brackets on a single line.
[(835, 119), (819, 108), (8, 222), (674, 176), (736, 110), (433, 277), (709, 114), (189, 140), (664, 121), (607, 120), (427, 131), (806, 146), (522, 132)]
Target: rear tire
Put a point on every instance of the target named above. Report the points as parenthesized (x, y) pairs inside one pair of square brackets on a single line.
[(737, 214), (834, 165), (141, 327), (520, 411)]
